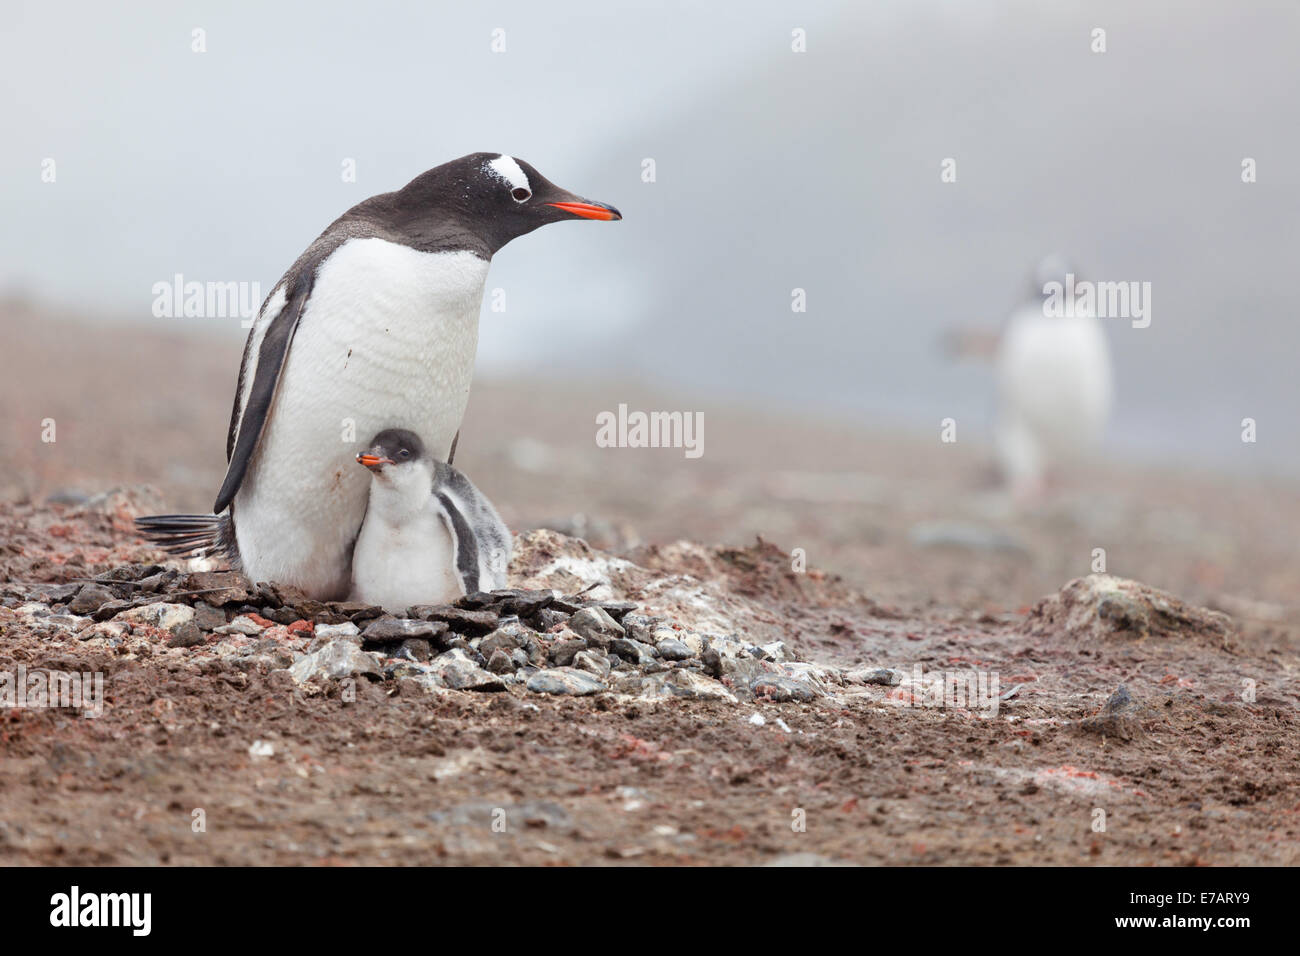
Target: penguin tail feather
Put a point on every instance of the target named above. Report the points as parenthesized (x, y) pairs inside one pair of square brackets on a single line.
[(197, 536)]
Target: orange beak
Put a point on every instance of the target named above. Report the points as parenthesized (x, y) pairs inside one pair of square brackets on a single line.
[(373, 461), (589, 210)]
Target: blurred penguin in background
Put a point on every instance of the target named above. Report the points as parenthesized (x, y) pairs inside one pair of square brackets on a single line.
[(1053, 380)]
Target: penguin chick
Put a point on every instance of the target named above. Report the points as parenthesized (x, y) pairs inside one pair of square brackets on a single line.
[(428, 536)]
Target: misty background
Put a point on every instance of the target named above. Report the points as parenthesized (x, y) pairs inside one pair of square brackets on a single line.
[(774, 170)]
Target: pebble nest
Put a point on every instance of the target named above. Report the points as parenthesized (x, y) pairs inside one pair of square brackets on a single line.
[(530, 641)]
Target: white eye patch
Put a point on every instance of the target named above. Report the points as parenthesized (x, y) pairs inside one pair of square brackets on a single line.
[(508, 171)]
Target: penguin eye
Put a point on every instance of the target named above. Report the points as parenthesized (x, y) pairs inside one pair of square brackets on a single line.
[(521, 194), (404, 454)]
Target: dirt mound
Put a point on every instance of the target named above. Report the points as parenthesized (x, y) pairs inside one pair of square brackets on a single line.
[(1104, 608)]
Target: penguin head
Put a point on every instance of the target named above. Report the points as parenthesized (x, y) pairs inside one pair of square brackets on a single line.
[(1051, 268), (492, 196), (397, 458)]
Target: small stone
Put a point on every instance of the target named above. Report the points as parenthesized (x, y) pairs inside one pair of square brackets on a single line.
[(454, 670), (207, 617), (111, 610), (498, 640), (743, 671), (595, 624), (633, 651), (334, 661), (187, 635), (1119, 701), (222, 587), (477, 601), (106, 630), (527, 639), (283, 615), (617, 609), (154, 582), (777, 688), (355, 611), (391, 630), (316, 611), (399, 669), (563, 651), (90, 598), (683, 683), (820, 677), (415, 649), (500, 663), (168, 617), (593, 662), (547, 618), (564, 680), (346, 631), (1118, 718), (132, 572), (243, 624), (728, 647), (641, 628), (458, 619), (885, 676), (674, 650), (696, 642), (519, 601)]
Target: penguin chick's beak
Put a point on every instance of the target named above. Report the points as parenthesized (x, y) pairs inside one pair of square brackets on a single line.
[(373, 461), (589, 210)]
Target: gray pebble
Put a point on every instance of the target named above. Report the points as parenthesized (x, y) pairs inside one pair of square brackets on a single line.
[(778, 688), (396, 629), (673, 650), (593, 662), (595, 624), (334, 661), (562, 652), (90, 598), (207, 617), (565, 680), (187, 635), (500, 663), (633, 651), (415, 649)]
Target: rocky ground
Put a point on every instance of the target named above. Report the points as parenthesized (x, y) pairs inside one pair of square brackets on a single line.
[(681, 704)]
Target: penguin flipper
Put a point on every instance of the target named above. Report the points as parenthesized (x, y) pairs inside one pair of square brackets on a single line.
[(271, 356), (492, 540), (466, 545)]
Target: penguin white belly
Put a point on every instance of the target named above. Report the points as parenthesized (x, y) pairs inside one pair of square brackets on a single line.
[(1054, 384), (387, 340), (398, 564)]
